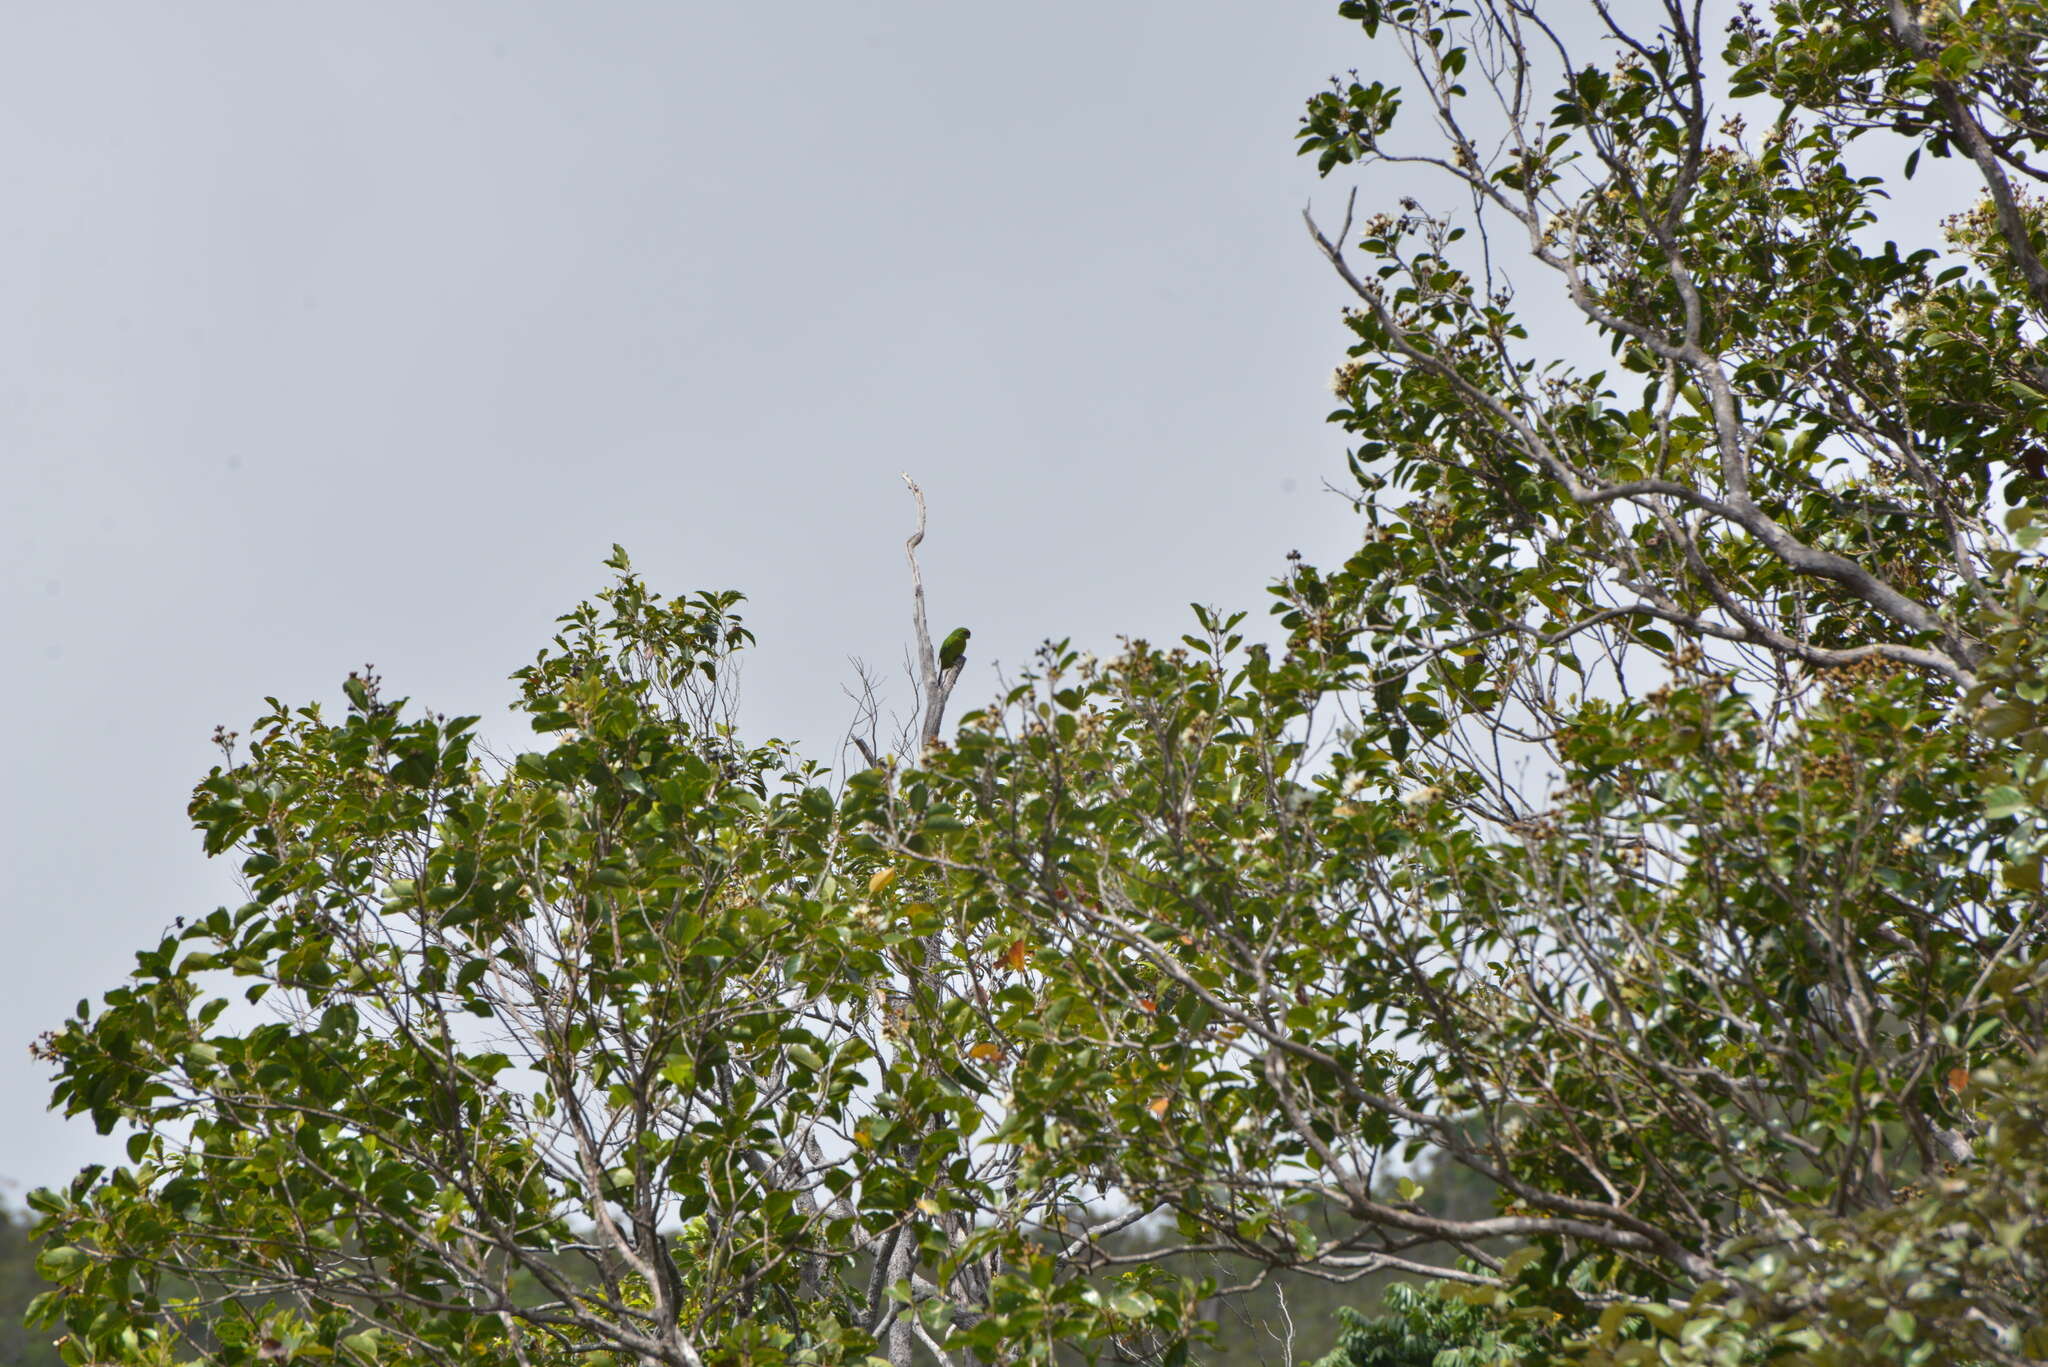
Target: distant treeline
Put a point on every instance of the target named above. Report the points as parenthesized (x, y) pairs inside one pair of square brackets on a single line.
[(19, 1284)]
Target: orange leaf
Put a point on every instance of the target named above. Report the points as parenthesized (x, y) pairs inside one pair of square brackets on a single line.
[(1017, 955)]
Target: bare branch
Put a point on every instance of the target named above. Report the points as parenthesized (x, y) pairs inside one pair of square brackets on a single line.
[(937, 682)]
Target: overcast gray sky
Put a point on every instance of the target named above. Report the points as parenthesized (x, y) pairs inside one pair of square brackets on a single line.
[(349, 333)]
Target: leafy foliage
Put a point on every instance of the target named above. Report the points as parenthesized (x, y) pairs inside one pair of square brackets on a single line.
[(1420, 1326), (1643, 828), (600, 1051)]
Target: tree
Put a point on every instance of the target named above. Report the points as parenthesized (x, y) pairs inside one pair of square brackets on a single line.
[(1646, 823), (601, 1051), (1647, 816)]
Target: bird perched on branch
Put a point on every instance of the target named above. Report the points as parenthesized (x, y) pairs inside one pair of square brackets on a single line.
[(953, 649)]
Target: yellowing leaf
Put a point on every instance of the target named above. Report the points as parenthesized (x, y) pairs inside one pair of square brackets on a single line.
[(1017, 955), (882, 879)]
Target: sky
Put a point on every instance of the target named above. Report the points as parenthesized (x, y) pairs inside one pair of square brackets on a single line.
[(359, 333)]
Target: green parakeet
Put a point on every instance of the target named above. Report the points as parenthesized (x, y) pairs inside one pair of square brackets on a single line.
[(953, 649)]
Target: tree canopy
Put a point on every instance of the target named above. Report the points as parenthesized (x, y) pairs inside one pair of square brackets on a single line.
[(1644, 824)]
